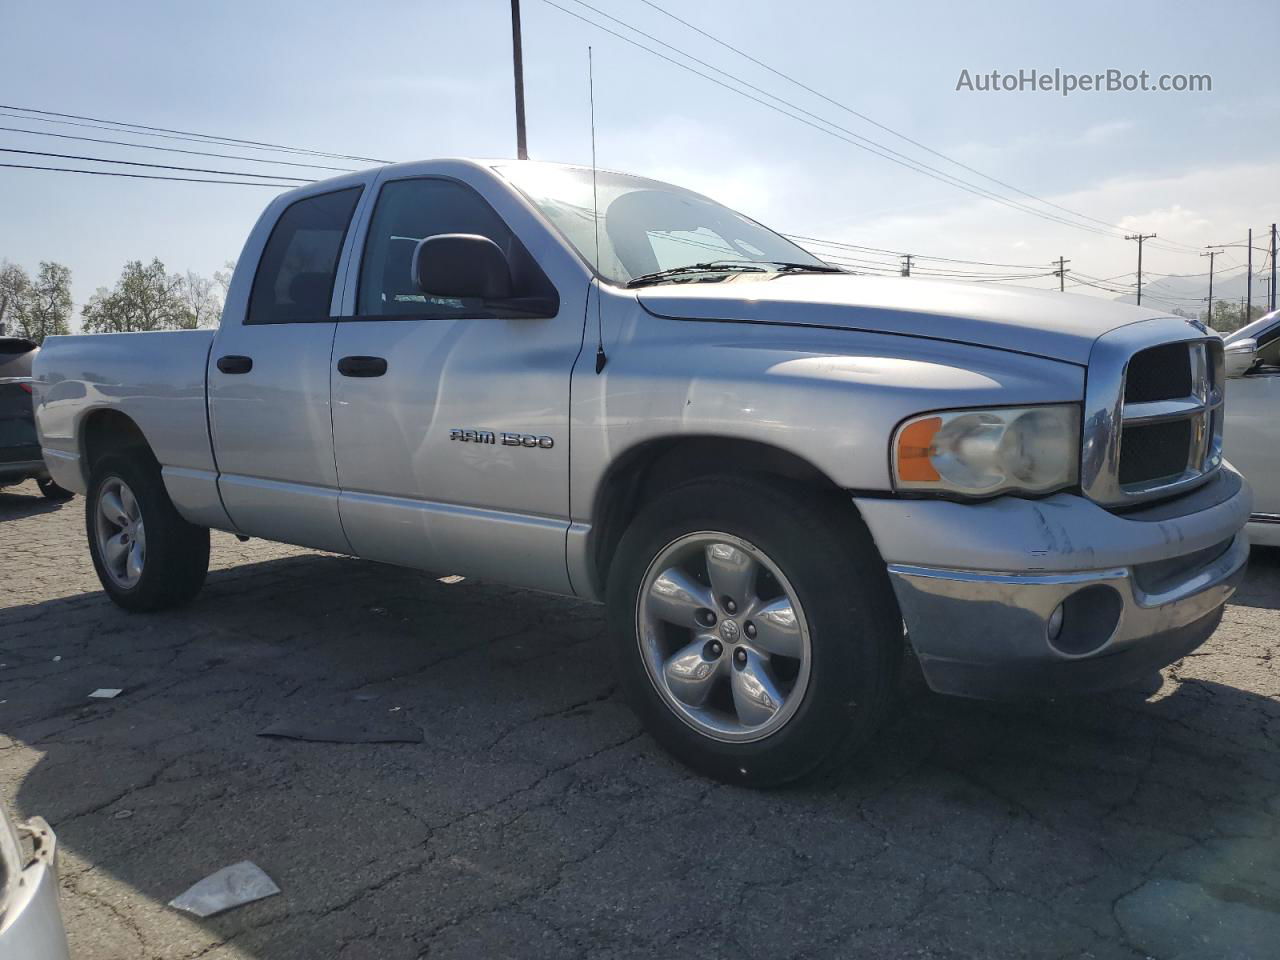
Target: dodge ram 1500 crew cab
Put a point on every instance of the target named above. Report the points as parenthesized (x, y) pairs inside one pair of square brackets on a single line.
[(765, 466)]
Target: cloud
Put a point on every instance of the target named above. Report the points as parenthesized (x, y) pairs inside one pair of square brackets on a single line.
[(980, 153), (1104, 132), (1194, 208)]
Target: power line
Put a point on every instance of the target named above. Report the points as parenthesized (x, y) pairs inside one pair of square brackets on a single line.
[(898, 253), (140, 129), (154, 166), (146, 176), (875, 123), (879, 150), (876, 147), (152, 146)]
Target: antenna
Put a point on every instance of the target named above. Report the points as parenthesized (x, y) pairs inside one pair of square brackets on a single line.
[(601, 359)]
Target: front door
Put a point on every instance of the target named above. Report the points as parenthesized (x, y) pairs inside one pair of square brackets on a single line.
[(1252, 438), (450, 418), (269, 382)]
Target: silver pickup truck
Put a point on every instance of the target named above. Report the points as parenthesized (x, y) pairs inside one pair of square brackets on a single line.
[(766, 467)]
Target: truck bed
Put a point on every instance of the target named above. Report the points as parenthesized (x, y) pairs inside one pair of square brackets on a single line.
[(156, 379)]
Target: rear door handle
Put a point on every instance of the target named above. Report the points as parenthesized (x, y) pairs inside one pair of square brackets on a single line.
[(362, 366), (235, 364)]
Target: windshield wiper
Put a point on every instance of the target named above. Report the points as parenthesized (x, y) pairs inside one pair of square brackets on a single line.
[(805, 267), (732, 266), (714, 266)]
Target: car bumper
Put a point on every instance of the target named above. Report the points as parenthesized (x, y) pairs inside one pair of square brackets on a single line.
[(1264, 530), (1069, 598), (32, 926), (15, 471)]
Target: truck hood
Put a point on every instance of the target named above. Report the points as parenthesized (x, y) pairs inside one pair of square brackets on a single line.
[(1043, 323)]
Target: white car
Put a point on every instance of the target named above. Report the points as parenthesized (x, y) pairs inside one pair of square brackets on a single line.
[(30, 921), (1252, 410)]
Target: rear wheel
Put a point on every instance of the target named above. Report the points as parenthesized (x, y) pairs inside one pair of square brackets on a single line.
[(146, 556), (754, 628)]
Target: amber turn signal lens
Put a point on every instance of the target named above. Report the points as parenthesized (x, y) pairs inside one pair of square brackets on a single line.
[(915, 444)]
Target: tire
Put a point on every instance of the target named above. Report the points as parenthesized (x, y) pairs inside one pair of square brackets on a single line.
[(824, 696), (169, 566), (54, 492)]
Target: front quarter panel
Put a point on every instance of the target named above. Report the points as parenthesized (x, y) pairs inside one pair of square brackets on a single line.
[(831, 397)]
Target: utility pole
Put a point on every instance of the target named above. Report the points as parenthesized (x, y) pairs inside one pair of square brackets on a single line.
[(906, 264), (1141, 238), (1248, 280), (1211, 254), (1062, 274), (517, 59), (1273, 266)]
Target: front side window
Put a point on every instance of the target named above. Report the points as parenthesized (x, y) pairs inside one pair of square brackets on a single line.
[(409, 211), (294, 283), (647, 226)]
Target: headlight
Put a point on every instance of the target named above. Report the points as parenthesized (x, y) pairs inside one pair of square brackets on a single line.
[(984, 452)]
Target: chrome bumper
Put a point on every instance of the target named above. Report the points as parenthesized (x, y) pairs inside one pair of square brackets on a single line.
[(1028, 631)]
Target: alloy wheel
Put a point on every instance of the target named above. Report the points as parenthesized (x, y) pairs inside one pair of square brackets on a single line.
[(723, 637), (122, 537)]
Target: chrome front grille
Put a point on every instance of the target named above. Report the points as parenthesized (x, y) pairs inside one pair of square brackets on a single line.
[(1153, 411)]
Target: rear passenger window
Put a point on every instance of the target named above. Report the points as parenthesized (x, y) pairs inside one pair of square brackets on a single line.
[(409, 211), (294, 283)]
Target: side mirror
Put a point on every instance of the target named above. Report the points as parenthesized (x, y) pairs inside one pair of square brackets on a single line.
[(462, 265), (1240, 356)]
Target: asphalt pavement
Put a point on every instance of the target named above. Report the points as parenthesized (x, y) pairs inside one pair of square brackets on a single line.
[(537, 820)]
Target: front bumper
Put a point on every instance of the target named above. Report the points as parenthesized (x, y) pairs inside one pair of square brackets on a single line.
[(1136, 591)]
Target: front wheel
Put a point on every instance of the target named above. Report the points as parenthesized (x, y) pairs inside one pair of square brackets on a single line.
[(146, 556), (754, 627)]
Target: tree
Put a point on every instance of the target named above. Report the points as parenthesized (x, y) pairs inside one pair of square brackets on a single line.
[(200, 297), (15, 288), (35, 308), (49, 313), (1229, 315), (145, 298), (222, 278)]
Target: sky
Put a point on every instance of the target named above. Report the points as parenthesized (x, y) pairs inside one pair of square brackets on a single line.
[(410, 80)]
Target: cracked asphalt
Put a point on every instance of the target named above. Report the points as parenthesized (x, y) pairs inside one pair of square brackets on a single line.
[(537, 820)]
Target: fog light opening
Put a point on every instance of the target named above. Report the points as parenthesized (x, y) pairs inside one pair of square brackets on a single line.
[(1085, 621)]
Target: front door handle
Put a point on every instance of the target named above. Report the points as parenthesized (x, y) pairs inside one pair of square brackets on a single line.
[(362, 366), (235, 364)]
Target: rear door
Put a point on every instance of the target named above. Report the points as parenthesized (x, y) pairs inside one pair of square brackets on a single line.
[(426, 477), (268, 376)]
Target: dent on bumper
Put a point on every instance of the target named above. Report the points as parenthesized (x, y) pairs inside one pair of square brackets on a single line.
[(993, 632)]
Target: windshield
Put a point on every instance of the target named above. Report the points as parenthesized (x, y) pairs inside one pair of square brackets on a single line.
[(647, 226), (1254, 330)]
